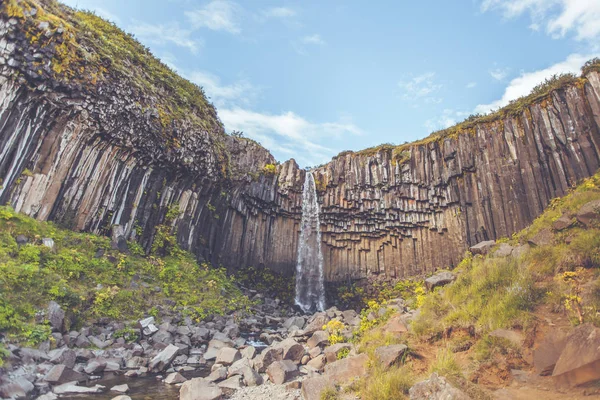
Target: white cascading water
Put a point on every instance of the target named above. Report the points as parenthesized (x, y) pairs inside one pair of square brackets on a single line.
[(310, 289)]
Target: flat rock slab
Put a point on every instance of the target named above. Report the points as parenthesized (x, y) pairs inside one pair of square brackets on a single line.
[(547, 352), (579, 362), (482, 248), (282, 371), (436, 388), (227, 356), (313, 387), (441, 279), (62, 374), (390, 355), (542, 238), (164, 358), (199, 389), (346, 369), (589, 213)]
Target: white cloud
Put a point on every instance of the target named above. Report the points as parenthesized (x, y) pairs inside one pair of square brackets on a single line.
[(421, 87), (288, 132), (445, 120), (222, 95), (162, 34), (558, 16), (218, 15), (279, 12), (471, 85), (313, 39), (522, 85), (499, 73)]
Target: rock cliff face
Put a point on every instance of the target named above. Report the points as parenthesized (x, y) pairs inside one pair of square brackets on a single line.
[(94, 155)]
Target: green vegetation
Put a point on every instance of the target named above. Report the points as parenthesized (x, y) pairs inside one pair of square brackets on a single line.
[(89, 286), (329, 393), (391, 384), (335, 328), (269, 170), (492, 292), (91, 50), (445, 364)]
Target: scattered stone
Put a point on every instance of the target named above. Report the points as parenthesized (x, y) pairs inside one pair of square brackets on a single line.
[(313, 387), (218, 374), (21, 240), (292, 350), (579, 362), (50, 396), (72, 388), (318, 362), (547, 352), (282, 371), (319, 338), (441, 279), (164, 358), (319, 319), (62, 374), (120, 388), (49, 243), (482, 248), (227, 356), (199, 389), (64, 356), (267, 357), (542, 238), (305, 359), (174, 377), (331, 352), (235, 382), (348, 368), (249, 352), (563, 223), (589, 213), (297, 322), (504, 250), (56, 316), (390, 355), (436, 387)]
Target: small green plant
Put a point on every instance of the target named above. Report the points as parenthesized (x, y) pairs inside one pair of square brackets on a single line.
[(392, 384), (343, 353), (329, 393)]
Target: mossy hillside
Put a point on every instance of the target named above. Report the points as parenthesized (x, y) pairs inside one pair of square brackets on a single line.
[(401, 154), (496, 292), (88, 51), (91, 281)]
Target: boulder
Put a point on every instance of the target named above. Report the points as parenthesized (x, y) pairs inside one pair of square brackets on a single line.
[(504, 250), (95, 366), (318, 362), (280, 372), (441, 279), (291, 349), (16, 389), (249, 352), (543, 238), (227, 356), (562, 223), (21, 240), (174, 377), (348, 368), (390, 355), (294, 322), (52, 396), (56, 316), (164, 358), (235, 382), (547, 352), (72, 388), (319, 338), (120, 388), (64, 356), (589, 213), (434, 388), (62, 374), (231, 330), (331, 352), (313, 387), (218, 374), (579, 362), (482, 248), (199, 389), (395, 326), (237, 367), (267, 357), (316, 324), (48, 242)]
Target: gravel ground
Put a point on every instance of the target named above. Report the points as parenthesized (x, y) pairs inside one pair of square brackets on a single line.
[(267, 391)]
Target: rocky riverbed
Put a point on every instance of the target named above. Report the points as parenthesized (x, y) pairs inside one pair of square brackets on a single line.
[(265, 354)]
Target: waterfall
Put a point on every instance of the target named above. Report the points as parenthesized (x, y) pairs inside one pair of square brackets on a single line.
[(310, 290)]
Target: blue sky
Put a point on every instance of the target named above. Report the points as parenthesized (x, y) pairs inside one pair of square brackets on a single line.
[(310, 78)]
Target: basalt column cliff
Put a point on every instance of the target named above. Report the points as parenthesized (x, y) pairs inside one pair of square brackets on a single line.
[(95, 132)]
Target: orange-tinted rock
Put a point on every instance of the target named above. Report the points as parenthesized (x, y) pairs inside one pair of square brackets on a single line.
[(579, 362)]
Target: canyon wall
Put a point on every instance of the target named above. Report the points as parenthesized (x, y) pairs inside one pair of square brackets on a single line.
[(93, 155)]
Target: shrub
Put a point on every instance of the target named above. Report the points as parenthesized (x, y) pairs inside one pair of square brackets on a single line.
[(335, 327), (445, 364), (329, 393), (392, 384), (269, 170)]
